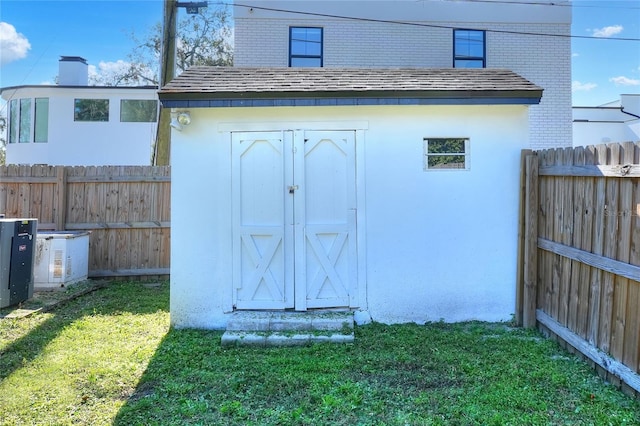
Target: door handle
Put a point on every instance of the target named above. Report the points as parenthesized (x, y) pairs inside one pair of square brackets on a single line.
[(293, 189)]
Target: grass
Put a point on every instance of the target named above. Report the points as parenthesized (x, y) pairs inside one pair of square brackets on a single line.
[(109, 357)]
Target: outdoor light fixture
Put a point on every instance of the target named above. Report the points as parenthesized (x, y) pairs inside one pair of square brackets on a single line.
[(192, 7), (180, 119), (184, 118)]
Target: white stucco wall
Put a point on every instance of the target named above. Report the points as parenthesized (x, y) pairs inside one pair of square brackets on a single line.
[(513, 41), (594, 133), (73, 143), (602, 125), (437, 244)]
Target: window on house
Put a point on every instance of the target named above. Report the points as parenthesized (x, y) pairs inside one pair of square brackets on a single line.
[(41, 125), (138, 110), (305, 47), (28, 120), (446, 154), (14, 120), (469, 49), (24, 133), (91, 110)]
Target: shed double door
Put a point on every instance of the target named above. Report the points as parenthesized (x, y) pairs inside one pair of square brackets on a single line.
[(294, 219)]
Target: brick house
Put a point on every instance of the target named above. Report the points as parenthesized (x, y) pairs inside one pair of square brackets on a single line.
[(529, 38)]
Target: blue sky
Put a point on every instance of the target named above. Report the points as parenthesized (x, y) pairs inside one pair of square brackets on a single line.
[(35, 33)]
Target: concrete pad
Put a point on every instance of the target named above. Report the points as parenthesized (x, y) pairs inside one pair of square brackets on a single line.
[(331, 322), (269, 328), (283, 323), (341, 338), (288, 340), (243, 339), (240, 323)]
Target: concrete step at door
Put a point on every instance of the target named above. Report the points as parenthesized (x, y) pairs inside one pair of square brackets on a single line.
[(266, 328)]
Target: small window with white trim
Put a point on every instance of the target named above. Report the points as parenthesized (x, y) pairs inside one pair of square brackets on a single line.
[(446, 153)]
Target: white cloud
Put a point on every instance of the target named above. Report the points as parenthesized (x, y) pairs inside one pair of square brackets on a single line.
[(608, 31), (108, 68), (106, 72), (13, 45), (624, 81), (575, 55), (117, 66), (118, 73), (577, 86)]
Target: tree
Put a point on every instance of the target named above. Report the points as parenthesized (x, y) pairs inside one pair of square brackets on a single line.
[(201, 39)]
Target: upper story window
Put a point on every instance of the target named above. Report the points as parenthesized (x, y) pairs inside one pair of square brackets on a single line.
[(469, 49), (305, 47), (28, 120), (138, 110), (91, 110)]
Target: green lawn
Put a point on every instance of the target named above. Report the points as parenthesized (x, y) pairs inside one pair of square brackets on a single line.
[(109, 357)]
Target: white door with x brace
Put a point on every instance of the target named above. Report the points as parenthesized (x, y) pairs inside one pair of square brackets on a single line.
[(294, 229)]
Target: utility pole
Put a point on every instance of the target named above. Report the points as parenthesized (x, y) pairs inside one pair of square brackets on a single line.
[(167, 72)]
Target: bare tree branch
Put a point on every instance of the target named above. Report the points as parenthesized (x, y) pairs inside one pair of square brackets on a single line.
[(202, 39)]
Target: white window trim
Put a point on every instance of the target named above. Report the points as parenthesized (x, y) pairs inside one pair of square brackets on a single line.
[(466, 154)]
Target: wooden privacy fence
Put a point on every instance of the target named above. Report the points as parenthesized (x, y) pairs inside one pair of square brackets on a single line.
[(126, 209), (580, 249)]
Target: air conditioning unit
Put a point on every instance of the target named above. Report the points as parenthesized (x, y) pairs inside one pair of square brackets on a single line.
[(17, 240), (62, 259)]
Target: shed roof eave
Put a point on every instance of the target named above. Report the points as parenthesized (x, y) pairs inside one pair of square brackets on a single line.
[(190, 102), (435, 94)]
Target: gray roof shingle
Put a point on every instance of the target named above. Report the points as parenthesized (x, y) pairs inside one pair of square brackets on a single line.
[(231, 83)]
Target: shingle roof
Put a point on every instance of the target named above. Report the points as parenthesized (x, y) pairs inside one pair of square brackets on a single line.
[(231, 83)]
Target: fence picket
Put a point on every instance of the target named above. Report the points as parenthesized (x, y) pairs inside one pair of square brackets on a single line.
[(588, 249), (626, 324), (126, 209)]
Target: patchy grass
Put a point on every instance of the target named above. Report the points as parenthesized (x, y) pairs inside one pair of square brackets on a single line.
[(44, 300), (80, 362), (110, 358)]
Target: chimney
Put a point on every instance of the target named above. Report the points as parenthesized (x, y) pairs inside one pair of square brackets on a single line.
[(73, 71)]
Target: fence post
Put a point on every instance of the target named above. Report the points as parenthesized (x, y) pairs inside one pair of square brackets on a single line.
[(61, 198), (530, 272), (521, 212)]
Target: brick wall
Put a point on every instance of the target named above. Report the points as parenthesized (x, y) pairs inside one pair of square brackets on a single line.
[(546, 61)]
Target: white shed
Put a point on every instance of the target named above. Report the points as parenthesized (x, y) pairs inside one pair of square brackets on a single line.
[(389, 191)]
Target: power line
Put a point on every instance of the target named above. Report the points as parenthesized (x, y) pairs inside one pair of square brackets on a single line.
[(419, 24), (572, 4)]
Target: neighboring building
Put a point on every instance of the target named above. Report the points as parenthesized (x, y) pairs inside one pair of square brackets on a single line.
[(529, 38), (74, 124), (617, 121), (383, 191)]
